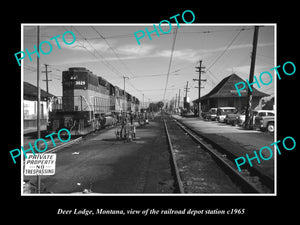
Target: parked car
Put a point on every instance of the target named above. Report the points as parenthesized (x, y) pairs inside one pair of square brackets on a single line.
[(204, 115), (187, 114), (241, 119), (223, 111), (235, 118), (212, 114), (264, 120)]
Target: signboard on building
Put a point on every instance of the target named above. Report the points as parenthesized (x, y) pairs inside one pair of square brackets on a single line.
[(40, 164), (235, 91)]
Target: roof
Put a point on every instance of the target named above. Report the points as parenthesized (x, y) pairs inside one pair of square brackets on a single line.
[(30, 92), (226, 107), (226, 88)]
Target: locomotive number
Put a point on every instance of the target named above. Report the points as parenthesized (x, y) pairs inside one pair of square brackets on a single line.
[(80, 82)]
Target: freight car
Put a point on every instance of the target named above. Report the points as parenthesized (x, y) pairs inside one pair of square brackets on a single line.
[(89, 102)]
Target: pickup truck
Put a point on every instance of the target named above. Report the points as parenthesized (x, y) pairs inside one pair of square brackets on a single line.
[(233, 118), (210, 115), (223, 111), (265, 123)]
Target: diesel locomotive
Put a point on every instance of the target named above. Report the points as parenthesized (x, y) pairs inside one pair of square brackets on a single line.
[(87, 101)]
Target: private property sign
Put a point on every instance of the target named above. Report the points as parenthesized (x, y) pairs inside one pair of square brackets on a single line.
[(40, 164)]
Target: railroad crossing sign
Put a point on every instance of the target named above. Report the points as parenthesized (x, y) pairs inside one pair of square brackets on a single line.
[(40, 164)]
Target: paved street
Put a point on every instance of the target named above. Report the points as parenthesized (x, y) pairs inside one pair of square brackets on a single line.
[(105, 165)]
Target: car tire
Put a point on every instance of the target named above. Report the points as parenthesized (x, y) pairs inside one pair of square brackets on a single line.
[(270, 127)]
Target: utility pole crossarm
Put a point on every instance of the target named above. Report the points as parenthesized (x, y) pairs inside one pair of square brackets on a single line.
[(47, 80), (199, 70)]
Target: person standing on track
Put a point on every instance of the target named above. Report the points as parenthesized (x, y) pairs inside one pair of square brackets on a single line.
[(131, 118), (123, 125)]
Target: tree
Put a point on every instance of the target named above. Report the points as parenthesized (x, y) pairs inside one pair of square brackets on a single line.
[(155, 107), (160, 104)]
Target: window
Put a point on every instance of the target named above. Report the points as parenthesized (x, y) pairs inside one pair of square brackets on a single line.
[(262, 114), (229, 110)]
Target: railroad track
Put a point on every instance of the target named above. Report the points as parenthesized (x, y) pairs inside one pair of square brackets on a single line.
[(189, 164), (75, 140), (178, 181)]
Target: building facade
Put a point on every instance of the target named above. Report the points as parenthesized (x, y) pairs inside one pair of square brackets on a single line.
[(30, 106), (225, 95)]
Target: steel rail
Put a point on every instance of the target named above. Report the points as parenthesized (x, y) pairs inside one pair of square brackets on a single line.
[(63, 145), (56, 148), (178, 179), (246, 184)]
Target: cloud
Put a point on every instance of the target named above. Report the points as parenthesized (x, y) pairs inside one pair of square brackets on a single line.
[(246, 68), (133, 51), (192, 54), (128, 52), (182, 54), (236, 47), (124, 52), (136, 50), (83, 45)]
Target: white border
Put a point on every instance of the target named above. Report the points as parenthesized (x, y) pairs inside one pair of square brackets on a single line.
[(151, 24)]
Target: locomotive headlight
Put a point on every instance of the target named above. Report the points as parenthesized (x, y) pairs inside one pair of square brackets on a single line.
[(73, 77)]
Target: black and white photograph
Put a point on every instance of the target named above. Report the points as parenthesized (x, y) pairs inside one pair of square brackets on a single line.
[(149, 109)]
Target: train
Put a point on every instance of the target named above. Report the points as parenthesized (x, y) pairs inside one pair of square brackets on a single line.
[(88, 102)]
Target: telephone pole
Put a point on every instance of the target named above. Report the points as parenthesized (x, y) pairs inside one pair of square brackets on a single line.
[(186, 89), (199, 86), (185, 105), (46, 72), (124, 103), (47, 80), (179, 99), (143, 101), (38, 179), (252, 68)]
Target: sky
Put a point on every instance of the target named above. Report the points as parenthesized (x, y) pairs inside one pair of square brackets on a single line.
[(112, 51)]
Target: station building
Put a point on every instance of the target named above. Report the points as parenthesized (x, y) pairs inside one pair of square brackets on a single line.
[(226, 95), (30, 107)]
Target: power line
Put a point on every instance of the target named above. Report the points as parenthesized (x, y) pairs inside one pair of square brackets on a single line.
[(104, 61), (172, 51), (160, 89), (152, 75), (112, 49), (213, 75), (180, 32), (199, 86), (47, 80), (226, 49), (116, 54)]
